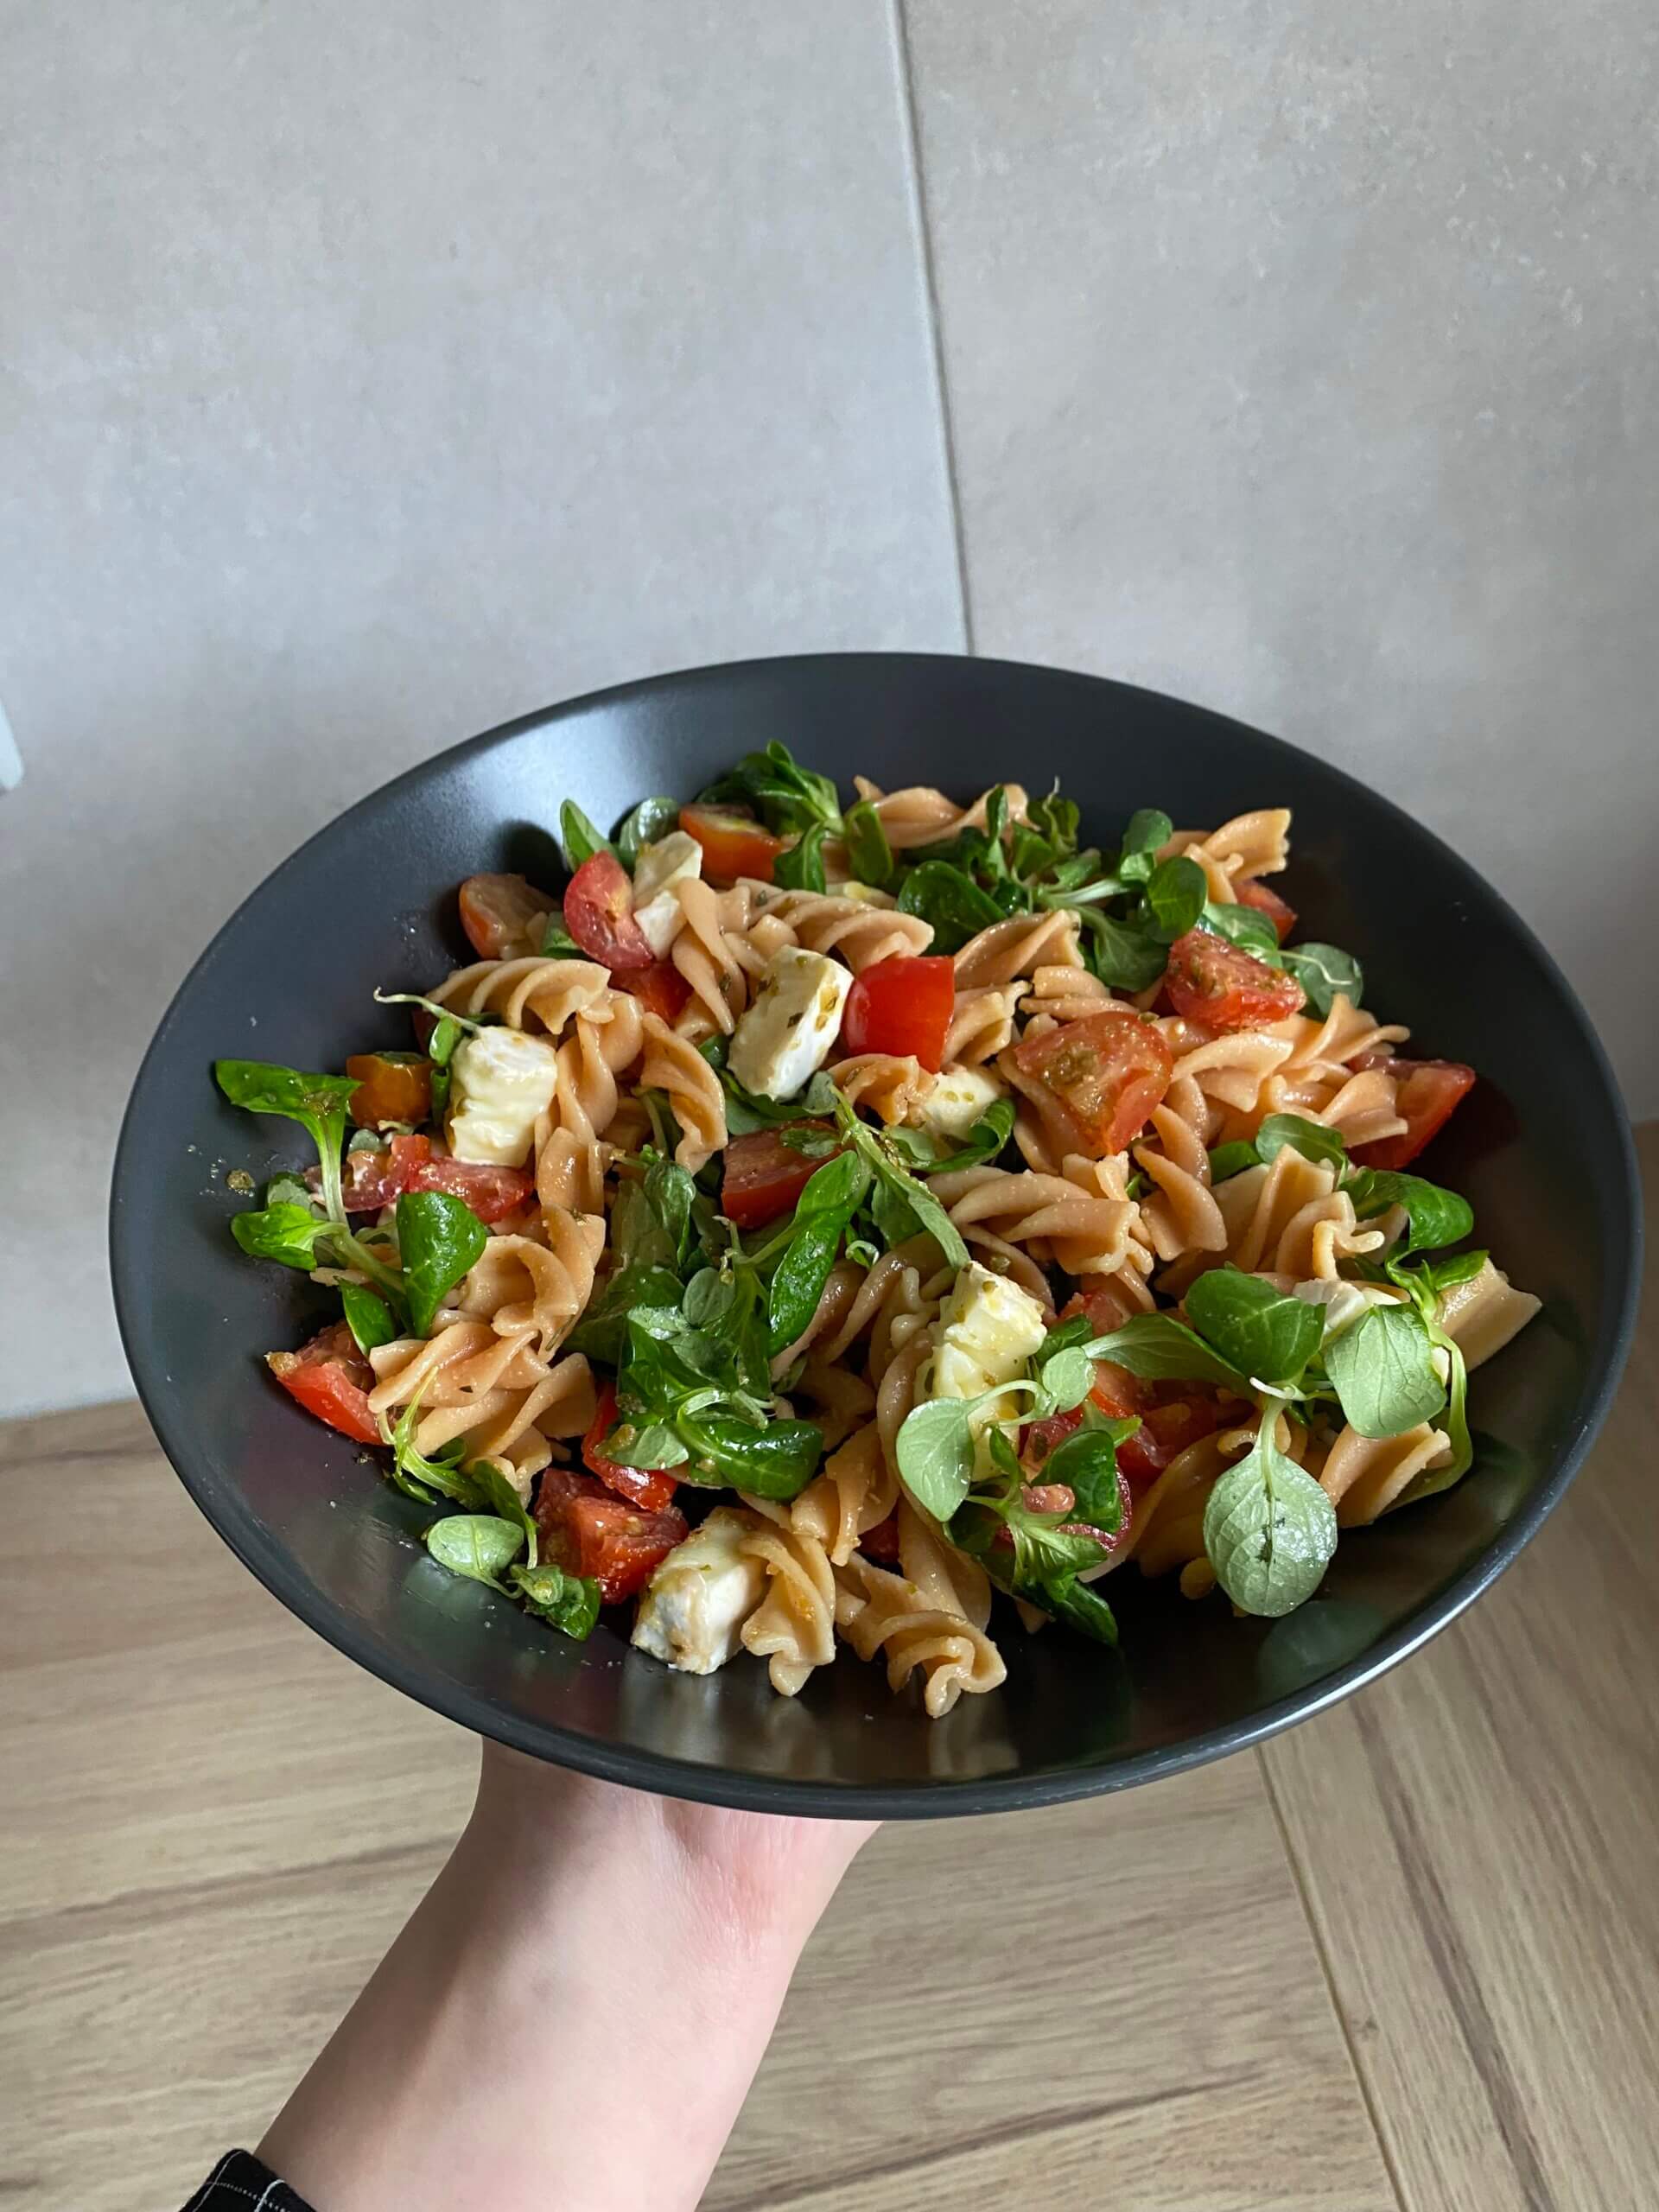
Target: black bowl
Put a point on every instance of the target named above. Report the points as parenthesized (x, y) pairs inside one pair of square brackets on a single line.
[(1542, 1149)]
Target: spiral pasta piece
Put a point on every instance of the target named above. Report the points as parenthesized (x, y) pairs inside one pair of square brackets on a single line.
[(918, 815), (982, 1023), (492, 1390), (532, 994), (542, 1285), (793, 1627), (692, 1089), (1482, 1315), (1071, 1218), (1256, 843), (1182, 1215), (932, 1616), (892, 1088), (1363, 1476), (1008, 951), (570, 1160), (1059, 993), (856, 931), (854, 1493)]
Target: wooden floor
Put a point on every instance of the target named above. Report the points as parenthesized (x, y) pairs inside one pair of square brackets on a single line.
[(1408, 1957)]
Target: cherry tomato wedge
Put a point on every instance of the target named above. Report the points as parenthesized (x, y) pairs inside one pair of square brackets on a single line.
[(501, 915), (732, 844), (599, 914), (1251, 890), (1107, 1070), (881, 1542), (330, 1378), (660, 989), (371, 1180), (587, 1531), (902, 1006), (1429, 1094), (764, 1176), (646, 1488), (492, 1192), (1223, 986), (391, 1087)]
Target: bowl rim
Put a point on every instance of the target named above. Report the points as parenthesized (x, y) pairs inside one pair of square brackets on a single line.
[(191, 1456)]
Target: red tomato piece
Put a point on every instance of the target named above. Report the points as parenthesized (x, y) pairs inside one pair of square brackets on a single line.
[(1172, 1415), (501, 915), (391, 1087), (881, 1542), (599, 914), (492, 1192), (1107, 1070), (587, 1531), (1430, 1093), (902, 1006), (732, 844), (1251, 890), (330, 1378), (660, 989), (1225, 988), (764, 1176), (650, 1489), (371, 1180)]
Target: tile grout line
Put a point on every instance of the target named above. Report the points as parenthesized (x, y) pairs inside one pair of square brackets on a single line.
[(1362, 2080), (901, 34)]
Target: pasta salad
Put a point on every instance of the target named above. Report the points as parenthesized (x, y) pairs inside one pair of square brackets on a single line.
[(817, 1221)]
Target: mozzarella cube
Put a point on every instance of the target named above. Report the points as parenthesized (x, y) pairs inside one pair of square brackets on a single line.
[(783, 1036), (672, 859), (956, 1099), (695, 1604), (499, 1082), (987, 1329)]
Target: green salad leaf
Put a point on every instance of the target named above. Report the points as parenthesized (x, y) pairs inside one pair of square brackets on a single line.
[(1323, 970), (648, 825), (868, 854), (1269, 1531), (1259, 1331), (476, 1544), (440, 1238), (578, 837), (1435, 1215), (1383, 1369), (567, 1602), (367, 1316)]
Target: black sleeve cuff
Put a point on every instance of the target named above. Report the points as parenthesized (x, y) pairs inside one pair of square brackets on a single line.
[(241, 2182)]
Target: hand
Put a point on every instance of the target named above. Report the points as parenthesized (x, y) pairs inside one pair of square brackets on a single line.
[(574, 2012)]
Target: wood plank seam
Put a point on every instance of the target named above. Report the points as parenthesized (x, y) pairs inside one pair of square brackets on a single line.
[(1454, 1967), (1316, 1937)]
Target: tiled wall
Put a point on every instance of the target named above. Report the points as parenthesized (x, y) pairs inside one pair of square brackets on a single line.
[(373, 374)]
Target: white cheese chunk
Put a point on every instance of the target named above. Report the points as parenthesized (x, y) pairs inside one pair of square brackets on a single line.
[(500, 1080), (672, 859), (987, 1329), (784, 1037), (956, 1099), (693, 1605)]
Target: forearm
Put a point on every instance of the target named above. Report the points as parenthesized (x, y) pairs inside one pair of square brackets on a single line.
[(572, 2016)]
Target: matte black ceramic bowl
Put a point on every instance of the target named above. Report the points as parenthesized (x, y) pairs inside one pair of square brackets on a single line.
[(1541, 1149)]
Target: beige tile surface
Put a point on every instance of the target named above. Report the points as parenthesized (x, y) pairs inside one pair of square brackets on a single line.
[(1301, 362)]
